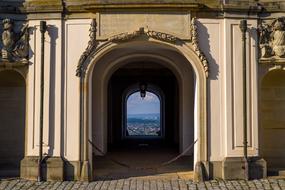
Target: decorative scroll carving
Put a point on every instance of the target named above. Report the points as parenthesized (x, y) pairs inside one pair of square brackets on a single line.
[(161, 36), (127, 36), (92, 45), (195, 44), (272, 40), (142, 31), (15, 46)]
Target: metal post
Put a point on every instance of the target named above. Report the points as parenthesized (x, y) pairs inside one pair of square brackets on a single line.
[(243, 27), (43, 28)]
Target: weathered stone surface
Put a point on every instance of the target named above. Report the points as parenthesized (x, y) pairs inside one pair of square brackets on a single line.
[(234, 168), (43, 6), (29, 167), (55, 169), (113, 23)]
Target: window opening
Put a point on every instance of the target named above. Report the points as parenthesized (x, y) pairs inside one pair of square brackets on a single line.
[(143, 115)]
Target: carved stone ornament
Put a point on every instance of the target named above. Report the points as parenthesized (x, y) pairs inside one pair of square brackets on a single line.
[(93, 44), (142, 31), (15, 46), (195, 44), (272, 40)]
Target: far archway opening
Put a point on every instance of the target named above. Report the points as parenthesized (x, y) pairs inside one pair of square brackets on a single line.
[(143, 114), (143, 133), (12, 122), (272, 121)]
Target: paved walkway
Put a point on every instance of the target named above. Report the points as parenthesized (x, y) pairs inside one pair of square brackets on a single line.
[(143, 184)]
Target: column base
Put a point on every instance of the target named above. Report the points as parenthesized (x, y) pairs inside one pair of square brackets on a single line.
[(29, 168), (52, 168), (201, 172), (85, 171), (257, 168), (55, 169), (236, 167), (72, 170)]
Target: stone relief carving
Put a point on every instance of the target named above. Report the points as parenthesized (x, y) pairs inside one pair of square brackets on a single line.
[(15, 46), (94, 44), (161, 36), (272, 39), (126, 36), (142, 31), (195, 44)]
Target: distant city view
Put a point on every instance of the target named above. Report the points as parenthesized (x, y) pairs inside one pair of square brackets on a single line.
[(143, 124), (143, 115)]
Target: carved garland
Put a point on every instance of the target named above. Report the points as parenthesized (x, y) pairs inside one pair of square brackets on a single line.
[(195, 44), (150, 33), (93, 44)]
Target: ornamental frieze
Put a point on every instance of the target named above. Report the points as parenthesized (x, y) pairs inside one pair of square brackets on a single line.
[(14, 45), (272, 41)]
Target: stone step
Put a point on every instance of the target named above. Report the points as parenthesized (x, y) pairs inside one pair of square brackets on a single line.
[(105, 168)]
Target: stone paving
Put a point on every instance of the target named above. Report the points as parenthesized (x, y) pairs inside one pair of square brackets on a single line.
[(142, 184)]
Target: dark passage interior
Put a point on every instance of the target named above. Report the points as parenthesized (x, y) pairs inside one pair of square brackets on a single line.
[(130, 156), (12, 122), (272, 121)]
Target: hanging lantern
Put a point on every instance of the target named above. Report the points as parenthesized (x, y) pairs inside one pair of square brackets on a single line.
[(143, 87)]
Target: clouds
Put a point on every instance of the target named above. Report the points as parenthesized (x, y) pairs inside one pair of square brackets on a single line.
[(138, 105), (149, 98)]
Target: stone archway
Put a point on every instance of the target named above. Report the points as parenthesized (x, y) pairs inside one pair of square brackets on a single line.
[(272, 122), (97, 52), (12, 119)]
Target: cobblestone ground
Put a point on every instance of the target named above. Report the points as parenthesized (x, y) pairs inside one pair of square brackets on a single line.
[(143, 184)]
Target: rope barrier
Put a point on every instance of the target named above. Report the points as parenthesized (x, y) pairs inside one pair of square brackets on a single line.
[(144, 168)]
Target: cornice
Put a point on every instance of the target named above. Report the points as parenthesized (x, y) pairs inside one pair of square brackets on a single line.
[(90, 6), (254, 7), (43, 6), (205, 7)]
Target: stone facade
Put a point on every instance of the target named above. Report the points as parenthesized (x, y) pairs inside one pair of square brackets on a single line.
[(199, 42)]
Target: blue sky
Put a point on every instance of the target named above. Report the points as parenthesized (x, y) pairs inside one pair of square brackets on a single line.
[(137, 105)]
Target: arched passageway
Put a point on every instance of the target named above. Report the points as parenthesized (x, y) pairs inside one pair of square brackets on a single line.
[(179, 58), (120, 70), (12, 122), (129, 152), (272, 120)]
